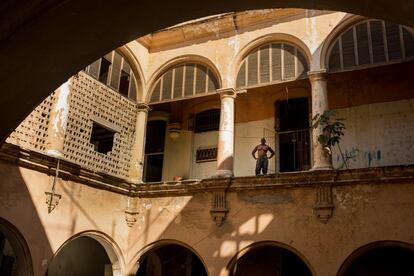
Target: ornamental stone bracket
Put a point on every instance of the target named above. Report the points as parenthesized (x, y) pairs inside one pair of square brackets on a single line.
[(219, 207), (131, 211), (323, 208)]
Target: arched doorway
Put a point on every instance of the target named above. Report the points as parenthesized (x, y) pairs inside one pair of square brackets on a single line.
[(268, 259), (170, 260), (14, 253), (83, 256), (380, 259)]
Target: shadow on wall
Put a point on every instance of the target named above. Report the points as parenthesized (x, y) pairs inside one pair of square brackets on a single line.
[(20, 222), (245, 225)]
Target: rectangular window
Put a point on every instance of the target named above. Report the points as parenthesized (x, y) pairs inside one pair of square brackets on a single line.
[(104, 71), (102, 138)]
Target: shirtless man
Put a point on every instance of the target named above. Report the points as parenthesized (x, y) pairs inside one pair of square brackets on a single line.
[(262, 159)]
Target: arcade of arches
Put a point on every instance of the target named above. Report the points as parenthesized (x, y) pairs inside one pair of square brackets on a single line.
[(141, 163)]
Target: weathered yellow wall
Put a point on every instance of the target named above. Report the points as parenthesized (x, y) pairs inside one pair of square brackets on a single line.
[(363, 214)]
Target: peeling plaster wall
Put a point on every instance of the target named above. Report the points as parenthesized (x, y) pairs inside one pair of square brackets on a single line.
[(362, 214), (380, 134)]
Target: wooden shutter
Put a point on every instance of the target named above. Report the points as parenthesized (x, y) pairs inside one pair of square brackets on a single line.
[(200, 85), (393, 41), (408, 43), (178, 82), (362, 44), (252, 69), (189, 80), (264, 64), (288, 61), (212, 81), (377, 40), (155, 97), (276, 62), (167, 86), (241, 76), (348, 50)]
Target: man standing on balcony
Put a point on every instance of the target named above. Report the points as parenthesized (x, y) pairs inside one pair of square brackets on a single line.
[(262, 159)]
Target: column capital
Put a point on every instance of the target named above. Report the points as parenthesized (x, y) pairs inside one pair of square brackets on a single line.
[(227, 93), (317, 75), (143, 107)]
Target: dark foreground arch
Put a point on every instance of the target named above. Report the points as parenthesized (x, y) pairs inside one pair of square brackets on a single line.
[(268, 258), (43, 43), (15, 258), (170, 259), (386, 258), (82, 256)]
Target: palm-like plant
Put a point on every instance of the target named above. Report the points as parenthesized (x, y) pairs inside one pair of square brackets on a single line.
[(332, 130)]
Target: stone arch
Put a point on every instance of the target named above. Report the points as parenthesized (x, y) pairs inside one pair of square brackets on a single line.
[(197, 59), (267, 39), (158, 244), (262, 244), (365, 250), (111, 248), (137, 69), (19, 246), (348, 23), (328, 42)]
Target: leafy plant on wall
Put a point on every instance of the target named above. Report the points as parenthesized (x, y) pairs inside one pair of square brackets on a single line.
[(332, 131)]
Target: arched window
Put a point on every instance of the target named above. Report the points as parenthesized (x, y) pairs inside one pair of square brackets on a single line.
[(114, 70), (369, 43), (272, 63), (184, 81)]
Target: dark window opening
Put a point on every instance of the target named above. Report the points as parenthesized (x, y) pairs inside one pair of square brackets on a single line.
[(294, 136), (208, 120), (124, 83), (154, 150), (102, 138), (153, 167), (104, 71)]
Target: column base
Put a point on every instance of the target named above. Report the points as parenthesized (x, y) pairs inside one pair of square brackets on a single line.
[(322, 168), (135, 181), (223, 174)]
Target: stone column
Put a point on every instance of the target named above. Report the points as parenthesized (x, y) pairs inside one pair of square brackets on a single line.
[(321, 158), (225, 151), (58, 120), (138, 148)]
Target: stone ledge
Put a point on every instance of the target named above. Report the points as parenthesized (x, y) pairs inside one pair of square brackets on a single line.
[(69, 171)]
